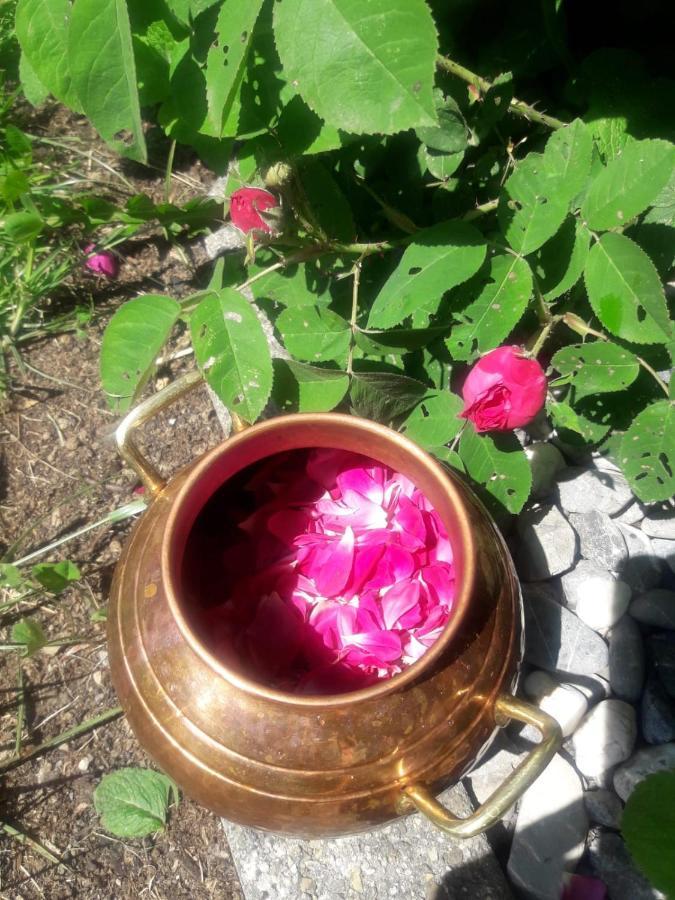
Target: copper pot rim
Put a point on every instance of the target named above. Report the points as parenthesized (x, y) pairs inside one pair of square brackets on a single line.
[(381, 688)]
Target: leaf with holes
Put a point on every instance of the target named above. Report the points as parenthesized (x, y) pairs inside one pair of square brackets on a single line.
[(434, 420), (531, 207), (568, 419), (320, 389), (232, 350), (42, 31), (134, 802), (647, 453), (384, 396), (559, 263), (498, 462), (28, 633), (437, 259), (226, 61), (596, 367), (104, 73), (503, 295), (629, 184), (568, 158), (134, 336), (314, 334), (371, 66), (648, 825), (625, 291)]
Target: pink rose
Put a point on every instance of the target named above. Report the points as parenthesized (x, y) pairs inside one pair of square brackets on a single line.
[(504, 390), (246, 205), (102, 262)]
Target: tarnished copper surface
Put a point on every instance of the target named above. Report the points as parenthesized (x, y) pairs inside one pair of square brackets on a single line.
[(310, 766)]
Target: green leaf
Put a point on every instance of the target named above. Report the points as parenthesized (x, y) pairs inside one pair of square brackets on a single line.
[(29, 633), (531, 206), (648, 452), (569, 419), (596, 367), (568, 157), (371, 66), (104, 73), (498, 462), (434, 421), (648, 825), (625, 291), (134, 802), (560, 262), (134, 336), (314, 334), (301, 132), (503, 295), (232, 350), (10, 576), (326, 201), (226, 61), (384, 396), (437, 259), (55, 577), (33, 89), (397, 342), (494, 103), (294, 286), (320, 389), (23, 226), (442, 165), (446, 455), (450, 135), (663, 210), (629, 184), (42, 30)]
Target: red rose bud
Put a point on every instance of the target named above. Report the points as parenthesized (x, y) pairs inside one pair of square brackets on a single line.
[(102, 263), (504, 390), (246, 205)]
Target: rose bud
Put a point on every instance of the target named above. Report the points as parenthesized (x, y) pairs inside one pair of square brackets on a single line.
[(246, 206), (102, 262), (504, 390)]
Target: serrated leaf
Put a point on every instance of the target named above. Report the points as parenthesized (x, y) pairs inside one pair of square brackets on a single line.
[(103, 71), (625, 291), (232, 350), (450, 135), (498, 462), (226, 61), (531, 207), (446, 455), (494, 103), (314, 333), (301, 132), (503, 295), (55, 577), (629, 184), (134, 802), (663, 210), (397, 342), (371, 66), (434, 421), (442, 165), (648, 825), (439, 258), (320, 389), (384, 396), (29, 633), (42, 31), (33, 89), (560, 262), (648, 452), (568, 158), (295, 286), (565, 417), (134, 336), (596, 367)]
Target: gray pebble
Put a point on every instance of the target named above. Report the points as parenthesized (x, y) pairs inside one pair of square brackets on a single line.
[(603, 807), (642, 570), (585, 490), (663, 652), (644, 762), (655, 607), (657, 714), (600, 539), (547, 544), (605, 738), (665, 550), (660, 525), (613, 864), (556, 640), (632, 515), (545, 463), (626, 660)]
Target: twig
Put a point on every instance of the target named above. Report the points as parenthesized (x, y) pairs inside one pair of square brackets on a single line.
[(519, 107), (83, 728), (480, 210), (352, 320), (21, 710), (169, 171), (29, 842)]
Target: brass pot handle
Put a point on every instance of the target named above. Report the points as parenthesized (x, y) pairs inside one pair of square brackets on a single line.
[(124, 433), (506, 707)]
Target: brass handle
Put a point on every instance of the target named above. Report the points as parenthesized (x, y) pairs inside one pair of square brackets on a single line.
[(506, 707), (124, 434)]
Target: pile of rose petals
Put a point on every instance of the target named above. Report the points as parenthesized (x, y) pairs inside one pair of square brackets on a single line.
[(341, 576)]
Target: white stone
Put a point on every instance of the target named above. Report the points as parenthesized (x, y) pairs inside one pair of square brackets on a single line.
[(567, 705), (665, 550), (547, 543), (600, 539), (660, 526), (605, 738), (550, 832), (642, 570), (632, 515), (608, 605), (545, 462), (645, 762), (584, 490)]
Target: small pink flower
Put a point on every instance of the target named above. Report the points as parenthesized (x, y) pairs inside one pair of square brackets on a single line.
[(504, 390), (102, 262), (246, 204)]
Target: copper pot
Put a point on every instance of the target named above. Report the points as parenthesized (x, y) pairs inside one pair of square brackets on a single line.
[(317, 766)]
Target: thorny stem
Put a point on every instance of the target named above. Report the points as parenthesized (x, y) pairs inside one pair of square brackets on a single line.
[(519, 107), (352, 318), (576, 324), (543, 335)]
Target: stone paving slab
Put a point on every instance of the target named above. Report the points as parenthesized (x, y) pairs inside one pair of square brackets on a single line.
[(408, 860)]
